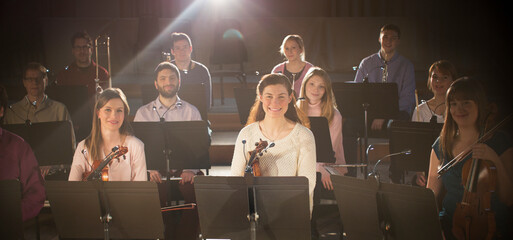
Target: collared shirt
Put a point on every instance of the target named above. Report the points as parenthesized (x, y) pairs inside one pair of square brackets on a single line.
[(17, 161), (400, 71), (47, 111), (181, 111)]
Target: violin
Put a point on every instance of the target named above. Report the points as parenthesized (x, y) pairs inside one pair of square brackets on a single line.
[(253, 166), (473, 217), (100, 166)]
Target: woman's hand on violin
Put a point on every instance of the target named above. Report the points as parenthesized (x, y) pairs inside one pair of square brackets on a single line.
[(326, 179), (155, 176), (484, 152), (187, 176)]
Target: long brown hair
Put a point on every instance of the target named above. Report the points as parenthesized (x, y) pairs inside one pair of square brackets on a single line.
[(462, 89), (328, 102), (94, 141), (257, 112)]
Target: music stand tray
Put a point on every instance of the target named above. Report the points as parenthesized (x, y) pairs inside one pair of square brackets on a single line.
[(387, 211), (50, 141), (323, 146), (383, 99), (411, 212), (11, 223), (244, 98), (78, 206), (356, 199), (417, 136), (189, 142), (282, 205)]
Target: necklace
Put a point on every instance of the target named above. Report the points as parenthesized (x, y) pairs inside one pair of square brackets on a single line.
[(268, 135)]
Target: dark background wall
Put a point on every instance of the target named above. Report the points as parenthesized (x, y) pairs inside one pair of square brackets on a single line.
[(473, 34)]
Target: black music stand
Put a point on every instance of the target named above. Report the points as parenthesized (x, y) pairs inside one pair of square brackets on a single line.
[(192, 93), (409, 212), (417, 136), (79, 104), (366, 101), (244, 98), (323, 145), (11, 223), (50, 141), (388, 211), (133, 207), (224, 207), (186, 144)]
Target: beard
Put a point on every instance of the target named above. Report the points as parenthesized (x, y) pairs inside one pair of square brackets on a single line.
[(167, 94)]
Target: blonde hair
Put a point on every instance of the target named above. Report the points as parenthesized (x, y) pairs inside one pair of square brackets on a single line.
[(298, 40), (328, 102), (257, 112), (94, 141)]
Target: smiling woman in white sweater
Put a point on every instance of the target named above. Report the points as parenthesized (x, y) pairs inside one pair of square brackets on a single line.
[(275, 119)]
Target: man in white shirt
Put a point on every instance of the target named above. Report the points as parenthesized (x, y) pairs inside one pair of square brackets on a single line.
[(169, 107)]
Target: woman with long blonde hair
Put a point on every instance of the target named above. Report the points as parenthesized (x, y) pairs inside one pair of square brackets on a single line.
[(295, 66), (317, 100), (110, 128)]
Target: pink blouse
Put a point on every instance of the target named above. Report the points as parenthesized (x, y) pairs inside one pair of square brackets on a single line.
[(132, 167), (335, 133)]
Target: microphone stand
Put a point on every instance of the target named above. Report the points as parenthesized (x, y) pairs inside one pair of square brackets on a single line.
[(366, 106), (375, 172)]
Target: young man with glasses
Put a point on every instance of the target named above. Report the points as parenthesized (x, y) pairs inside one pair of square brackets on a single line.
[(82, 71)]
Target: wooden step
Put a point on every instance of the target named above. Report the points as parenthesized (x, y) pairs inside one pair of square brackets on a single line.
[(225, 122)]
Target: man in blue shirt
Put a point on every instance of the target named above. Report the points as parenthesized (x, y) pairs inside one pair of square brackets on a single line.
[(388, 66)]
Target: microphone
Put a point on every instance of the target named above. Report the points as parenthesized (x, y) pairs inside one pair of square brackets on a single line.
[(374, 170), (366, 78), (161, 119)]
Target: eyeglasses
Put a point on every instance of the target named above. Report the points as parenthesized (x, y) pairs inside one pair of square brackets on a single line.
[(86, 47)]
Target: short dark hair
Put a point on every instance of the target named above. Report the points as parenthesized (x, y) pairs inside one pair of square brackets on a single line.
[(165, 65), (37, 67), (81, 34), (178, 36), (391, 27)]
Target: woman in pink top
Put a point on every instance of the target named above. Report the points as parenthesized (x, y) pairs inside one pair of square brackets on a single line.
[(111, 128), (295, 68), (317, 100)]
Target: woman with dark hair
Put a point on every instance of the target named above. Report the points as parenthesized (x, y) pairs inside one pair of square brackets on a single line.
[(441, 74), (465, 120), (275, 119), (295, 68), (111, 128)]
